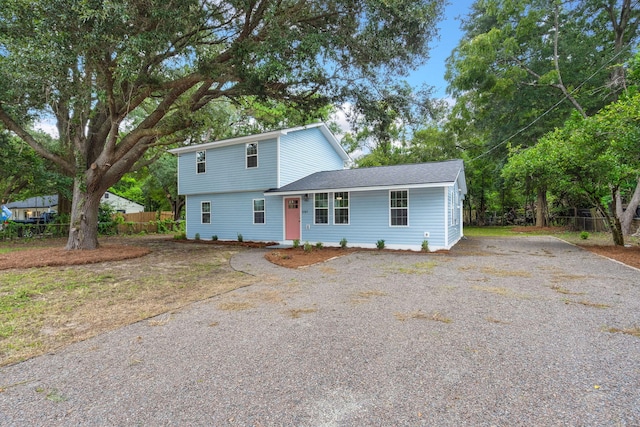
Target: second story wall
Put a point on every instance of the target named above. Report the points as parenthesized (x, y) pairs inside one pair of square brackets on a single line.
[(305, 152), (225, 169)]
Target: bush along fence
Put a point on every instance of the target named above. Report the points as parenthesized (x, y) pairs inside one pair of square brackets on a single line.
[(139, 223)]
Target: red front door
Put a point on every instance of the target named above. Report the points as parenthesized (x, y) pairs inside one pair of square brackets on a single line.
[(292, 219)]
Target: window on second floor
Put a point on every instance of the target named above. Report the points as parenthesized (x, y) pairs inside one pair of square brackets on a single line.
[(252, 155), (205, 210), (341, 207), (201, 164), (321, 208), (399, 208), (258, 211)]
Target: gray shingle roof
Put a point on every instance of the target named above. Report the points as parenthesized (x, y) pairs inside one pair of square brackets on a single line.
[(382, 176), (35, 202)]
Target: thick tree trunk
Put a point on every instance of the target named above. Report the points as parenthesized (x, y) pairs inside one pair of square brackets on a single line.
[(626, 216), (541, 208), (83, 231)]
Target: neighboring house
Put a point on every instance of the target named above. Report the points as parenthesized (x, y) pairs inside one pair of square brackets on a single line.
[(36, 206), (33, 207), (120, 204), (292, 184)]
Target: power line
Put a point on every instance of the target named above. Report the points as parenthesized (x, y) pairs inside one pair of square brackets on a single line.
[(614, 57)]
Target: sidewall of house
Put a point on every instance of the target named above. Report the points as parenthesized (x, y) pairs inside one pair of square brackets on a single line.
[(232, 214), (369, 221), (297, 161)]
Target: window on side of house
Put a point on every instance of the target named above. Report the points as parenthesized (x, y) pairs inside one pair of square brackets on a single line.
[(205, 212), (341, 207), (201, 161), (399, 208), (452, 210), (321, 208), (258, 211), (252, 155)]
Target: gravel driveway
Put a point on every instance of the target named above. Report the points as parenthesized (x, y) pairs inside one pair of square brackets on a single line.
[(499, 332)]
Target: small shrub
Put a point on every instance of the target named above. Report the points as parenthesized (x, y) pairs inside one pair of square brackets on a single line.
[(584, 235), (296, 243), (240, 238), (214, 237), (425, 245), (308, 247), (343, 243), (319, 245), (197, 237), (380, 244), (180, 236)]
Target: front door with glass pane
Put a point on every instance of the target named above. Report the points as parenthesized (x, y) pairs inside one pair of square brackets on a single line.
[(292, 219)]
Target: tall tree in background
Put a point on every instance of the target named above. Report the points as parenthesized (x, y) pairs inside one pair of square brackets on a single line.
[(524, 66), (91, 65)]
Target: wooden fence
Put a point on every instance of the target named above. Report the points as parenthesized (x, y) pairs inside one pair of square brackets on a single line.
[(147, 222)]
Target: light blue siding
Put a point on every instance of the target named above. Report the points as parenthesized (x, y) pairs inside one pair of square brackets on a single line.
[(369, 221), (455, 226), (226, 170), (232, 213), (305, 152)]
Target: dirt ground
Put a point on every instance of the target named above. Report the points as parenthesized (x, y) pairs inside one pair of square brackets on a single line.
[(53, 254)]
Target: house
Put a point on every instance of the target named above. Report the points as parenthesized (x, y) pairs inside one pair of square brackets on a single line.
[(36, 206), (293, 184), (32, 207), (120, 204)]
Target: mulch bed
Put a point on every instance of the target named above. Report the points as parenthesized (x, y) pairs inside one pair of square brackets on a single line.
[(49, 257)]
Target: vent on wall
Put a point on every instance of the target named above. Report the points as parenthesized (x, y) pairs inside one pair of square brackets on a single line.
[(426, 234)]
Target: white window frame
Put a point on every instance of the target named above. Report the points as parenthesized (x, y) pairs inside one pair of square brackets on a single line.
[(263, 211), (391, 208), (247, 155), (201, 161), (452, 211), (202, 212), (315, 209), (347, 208)]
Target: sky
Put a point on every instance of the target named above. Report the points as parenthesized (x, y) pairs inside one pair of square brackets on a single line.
[(432, 73)]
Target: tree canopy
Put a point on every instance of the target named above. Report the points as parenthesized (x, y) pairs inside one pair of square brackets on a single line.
[(92, 65)]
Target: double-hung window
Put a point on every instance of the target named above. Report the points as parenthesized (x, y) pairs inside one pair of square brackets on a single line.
[(201, 161), (252, 155), (399, 208), (341, 207), (321, 208), (205, 211), (258, 211)]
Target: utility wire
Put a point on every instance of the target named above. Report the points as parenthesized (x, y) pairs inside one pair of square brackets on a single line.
[(613, 58)]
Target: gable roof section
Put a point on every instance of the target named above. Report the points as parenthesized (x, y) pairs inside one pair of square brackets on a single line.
[(264, 136), (408, 175), (35, 202)]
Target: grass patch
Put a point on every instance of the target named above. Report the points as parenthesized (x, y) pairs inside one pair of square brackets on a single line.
[(633, 331), (418, 314), (43, 309), (365, 296), (505, 273), (296, 313), (235, 305), (564, 291), (424, 267), (498, 321), (505, 292), (588, 303)]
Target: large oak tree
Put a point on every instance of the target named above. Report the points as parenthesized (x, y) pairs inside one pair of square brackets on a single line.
[(90, 65)]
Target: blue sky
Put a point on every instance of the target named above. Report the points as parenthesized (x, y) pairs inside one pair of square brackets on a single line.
[(432, 73)]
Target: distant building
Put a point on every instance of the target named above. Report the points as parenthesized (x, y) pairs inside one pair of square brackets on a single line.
[(36, 206)]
